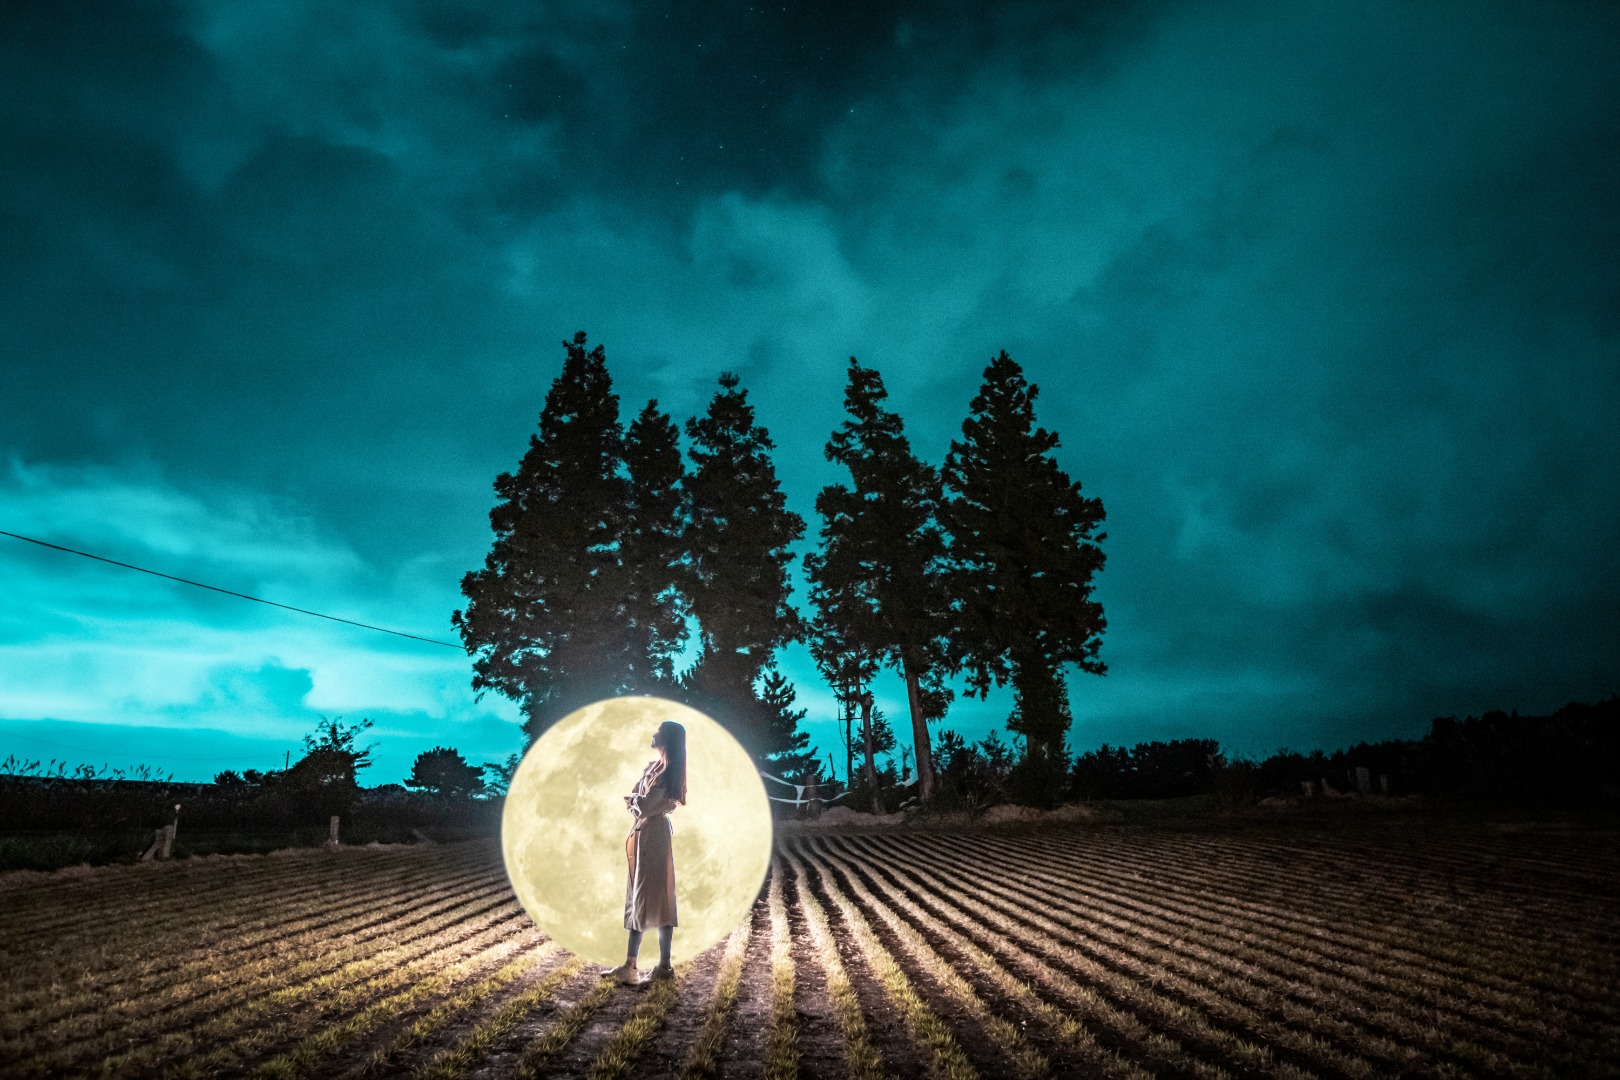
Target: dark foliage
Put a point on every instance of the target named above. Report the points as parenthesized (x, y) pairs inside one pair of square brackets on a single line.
[(971, 777), (325, 780), (1023, 545), (498, 775), (545, 619), (877, 579), (884, 794), (443, 771), (779, 721), (1039, 777), (736, 571), (1572, 753), (652, 550), (1150, 770), (52, 821), (849, 670)]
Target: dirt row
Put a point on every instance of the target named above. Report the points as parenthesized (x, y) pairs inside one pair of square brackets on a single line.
[(1052, 952)]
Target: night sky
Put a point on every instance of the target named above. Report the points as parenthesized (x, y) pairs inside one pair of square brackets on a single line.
[(1323, 299)]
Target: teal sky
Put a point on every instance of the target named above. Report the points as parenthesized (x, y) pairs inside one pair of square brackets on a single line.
[(1323, 299)]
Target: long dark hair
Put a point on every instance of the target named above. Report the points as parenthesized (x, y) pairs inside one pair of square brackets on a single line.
[(672, 737)]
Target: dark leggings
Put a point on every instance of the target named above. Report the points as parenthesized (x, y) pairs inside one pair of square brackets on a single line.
[(665, 933)]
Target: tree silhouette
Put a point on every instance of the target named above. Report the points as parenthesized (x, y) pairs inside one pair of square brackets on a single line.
[(653, 548), (443, 771), (878, 579), (849, 670), (323, 782), (546, 615), (736, 576), (779, 721), (1024, 552)]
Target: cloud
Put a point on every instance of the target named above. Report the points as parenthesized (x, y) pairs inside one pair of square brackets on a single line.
[(1321, 300), (90, 643), (1287, 283)]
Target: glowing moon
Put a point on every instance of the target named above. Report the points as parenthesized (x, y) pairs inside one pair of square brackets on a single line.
[(565, 822)]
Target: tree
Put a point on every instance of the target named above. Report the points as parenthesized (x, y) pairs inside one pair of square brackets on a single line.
[(546, 615), (878, 579), (324, 780), (1024, 551), (849, 670), (500, 773), (443, 771), (652, 549), (736, 576), (779, 721)]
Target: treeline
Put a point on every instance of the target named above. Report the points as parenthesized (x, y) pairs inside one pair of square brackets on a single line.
[(612, 544), (1573, 753), (56, 817)]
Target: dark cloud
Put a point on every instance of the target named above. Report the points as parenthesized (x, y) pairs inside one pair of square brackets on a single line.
[(1324, 305)]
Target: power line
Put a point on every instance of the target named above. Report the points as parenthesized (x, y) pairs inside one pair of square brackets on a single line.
[(229, 592)]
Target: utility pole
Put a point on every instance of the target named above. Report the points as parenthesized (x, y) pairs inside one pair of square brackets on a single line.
[(848, 691)]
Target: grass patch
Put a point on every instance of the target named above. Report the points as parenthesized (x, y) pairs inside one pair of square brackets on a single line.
[(864, 1062), (475, 1046), (705, 1053), (782, 1037)]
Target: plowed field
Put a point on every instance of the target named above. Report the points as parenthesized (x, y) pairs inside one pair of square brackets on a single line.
[(1395, 948)]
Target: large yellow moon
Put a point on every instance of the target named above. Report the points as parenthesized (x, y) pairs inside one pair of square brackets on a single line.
[(564, 826)]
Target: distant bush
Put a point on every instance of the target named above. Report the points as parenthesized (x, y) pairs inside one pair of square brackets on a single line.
[(1150, 770), (1573, 753), (50, 819), (443, 771), (971, 777)]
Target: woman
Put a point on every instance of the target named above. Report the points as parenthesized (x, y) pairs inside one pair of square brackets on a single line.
[(649, 894)]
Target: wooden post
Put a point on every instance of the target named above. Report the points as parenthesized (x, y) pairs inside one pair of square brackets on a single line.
[(1383, 783), (332, 834), (157, 842), (168, 841)]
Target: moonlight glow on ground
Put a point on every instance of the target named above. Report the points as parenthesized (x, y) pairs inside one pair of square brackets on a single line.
[(564, 827)]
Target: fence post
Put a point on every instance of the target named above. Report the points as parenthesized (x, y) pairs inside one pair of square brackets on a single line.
[(332, 834), (168, 841), (157, 842)]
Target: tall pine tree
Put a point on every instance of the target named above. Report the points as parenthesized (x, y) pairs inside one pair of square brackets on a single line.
[(1024, 552), (652, 549), (545, 616), (877, 580), (737, 542), (780, 723)]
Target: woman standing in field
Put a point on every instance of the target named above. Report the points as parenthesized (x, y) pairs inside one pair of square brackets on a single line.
[(649, 893)]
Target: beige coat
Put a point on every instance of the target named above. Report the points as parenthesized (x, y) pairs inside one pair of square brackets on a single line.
[(649, 894)]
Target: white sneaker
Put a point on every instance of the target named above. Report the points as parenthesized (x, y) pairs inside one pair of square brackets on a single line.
[(624, 974)]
